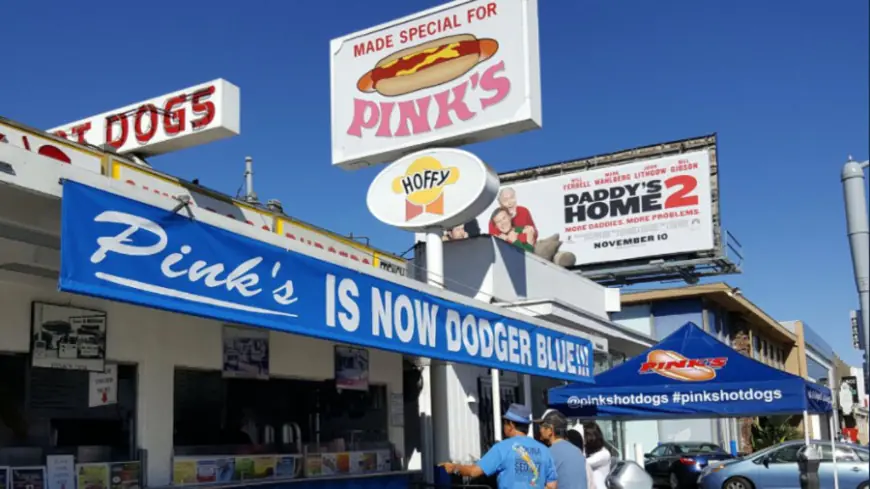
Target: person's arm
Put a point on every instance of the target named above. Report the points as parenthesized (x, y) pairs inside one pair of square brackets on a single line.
[(472, 471), (590, 476), (527, 217), (599, 459), (488, 465), (551, 473)]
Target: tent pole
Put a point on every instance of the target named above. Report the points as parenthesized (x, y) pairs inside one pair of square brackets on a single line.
[(835, 426), (834, 453)]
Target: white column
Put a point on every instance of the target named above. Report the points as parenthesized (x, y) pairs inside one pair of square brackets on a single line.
[(154, 417), (527, 398), (435, 278), (496, 403)]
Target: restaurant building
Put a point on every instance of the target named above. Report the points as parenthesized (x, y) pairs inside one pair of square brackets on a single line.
[(142, 370), (492, 270)]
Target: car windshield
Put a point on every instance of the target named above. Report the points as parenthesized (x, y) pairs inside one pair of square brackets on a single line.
[(697, 448)]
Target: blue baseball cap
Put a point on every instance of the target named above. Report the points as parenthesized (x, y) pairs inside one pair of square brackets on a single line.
[(518, 413)]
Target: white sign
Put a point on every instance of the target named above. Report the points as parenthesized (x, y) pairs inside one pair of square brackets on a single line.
[(61, 471), (649, 208), (45, 146), (463, 72), (434, 188), (178, 120), (103, 388)]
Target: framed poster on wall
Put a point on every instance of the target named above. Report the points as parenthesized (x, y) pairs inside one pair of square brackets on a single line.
[(68, 337), (246, 353), (351, 368)]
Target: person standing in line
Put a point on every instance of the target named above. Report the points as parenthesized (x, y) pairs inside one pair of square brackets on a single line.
[(520, 461), (597, 454), (570, 462), (575, 436)]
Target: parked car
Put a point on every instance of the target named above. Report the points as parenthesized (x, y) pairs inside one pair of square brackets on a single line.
[(678, 464), (777, 467)]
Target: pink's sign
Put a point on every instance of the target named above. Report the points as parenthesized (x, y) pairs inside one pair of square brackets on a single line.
[(463, 72)]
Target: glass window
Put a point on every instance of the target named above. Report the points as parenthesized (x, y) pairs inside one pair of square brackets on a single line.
[(785, 455), (756, 347), (659, 450), (765, 353), (864, 455)]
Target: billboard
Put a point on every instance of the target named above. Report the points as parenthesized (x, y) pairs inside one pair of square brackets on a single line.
[(641, 209), (463, 72), (177, 120)]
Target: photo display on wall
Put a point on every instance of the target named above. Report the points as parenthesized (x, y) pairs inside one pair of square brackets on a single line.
[(246, 353), (351, 368), (67, 337)]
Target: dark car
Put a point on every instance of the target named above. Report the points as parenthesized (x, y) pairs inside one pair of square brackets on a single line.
[(678, 464)]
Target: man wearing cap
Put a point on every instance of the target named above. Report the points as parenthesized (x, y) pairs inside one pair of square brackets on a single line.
[(571, 466), (520, 461)]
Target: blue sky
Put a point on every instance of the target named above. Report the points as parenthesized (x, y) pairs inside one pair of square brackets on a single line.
[(785, 84)]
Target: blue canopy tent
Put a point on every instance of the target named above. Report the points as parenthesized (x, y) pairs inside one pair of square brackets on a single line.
[(691, 374)]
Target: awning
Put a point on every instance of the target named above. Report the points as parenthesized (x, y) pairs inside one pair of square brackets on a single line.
[(146, 252), (691, 374)]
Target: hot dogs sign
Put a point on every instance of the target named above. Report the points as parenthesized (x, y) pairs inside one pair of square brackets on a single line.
[(460, 73)]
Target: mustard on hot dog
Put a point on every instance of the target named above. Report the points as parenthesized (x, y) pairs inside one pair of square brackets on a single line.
[(427, 65)]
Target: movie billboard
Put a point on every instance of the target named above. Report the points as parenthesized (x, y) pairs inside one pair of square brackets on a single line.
[(645, 208)]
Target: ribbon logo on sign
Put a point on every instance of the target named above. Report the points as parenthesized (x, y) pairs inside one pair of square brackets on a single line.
[(423, 186)]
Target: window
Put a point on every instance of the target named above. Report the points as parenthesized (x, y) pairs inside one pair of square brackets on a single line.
[(756, 347), (863, 455), (785, 455), (659, 451), (765, 353)]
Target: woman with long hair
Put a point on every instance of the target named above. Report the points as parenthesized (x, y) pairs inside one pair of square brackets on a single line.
[(597, 454), (576, 438)]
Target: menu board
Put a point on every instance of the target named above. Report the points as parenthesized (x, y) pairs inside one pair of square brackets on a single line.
[(347, 463), (92, 476), (210, 470), (125, 475), (27, 478)]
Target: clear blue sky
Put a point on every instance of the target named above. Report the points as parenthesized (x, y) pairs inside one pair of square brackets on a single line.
[(784, 83)]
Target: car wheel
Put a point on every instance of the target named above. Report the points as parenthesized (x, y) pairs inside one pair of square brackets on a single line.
[(737, 483), (864, 485), (673, 481)]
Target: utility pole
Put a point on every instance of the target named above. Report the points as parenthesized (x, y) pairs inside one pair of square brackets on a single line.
[(859, 240)]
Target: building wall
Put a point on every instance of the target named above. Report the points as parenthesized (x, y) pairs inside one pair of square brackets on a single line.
[(487, 268), (158, 342)]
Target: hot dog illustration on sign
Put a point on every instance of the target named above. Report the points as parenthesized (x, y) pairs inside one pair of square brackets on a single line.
[(427, 65), (673, 365), (423, 186)]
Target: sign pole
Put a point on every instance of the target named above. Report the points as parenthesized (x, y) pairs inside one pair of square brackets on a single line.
[(435, 278), (859, 240)]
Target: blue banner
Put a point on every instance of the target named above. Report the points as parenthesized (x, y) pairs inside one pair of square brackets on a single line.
[(125, 250)]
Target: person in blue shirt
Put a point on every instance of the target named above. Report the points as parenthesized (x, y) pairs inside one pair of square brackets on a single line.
[(571, 467), (520, 461)]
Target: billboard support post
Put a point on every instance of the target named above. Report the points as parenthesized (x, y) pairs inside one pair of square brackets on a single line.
[(859, 238)]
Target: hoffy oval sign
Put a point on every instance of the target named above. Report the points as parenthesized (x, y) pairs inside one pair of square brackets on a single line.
[(432, 189)]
